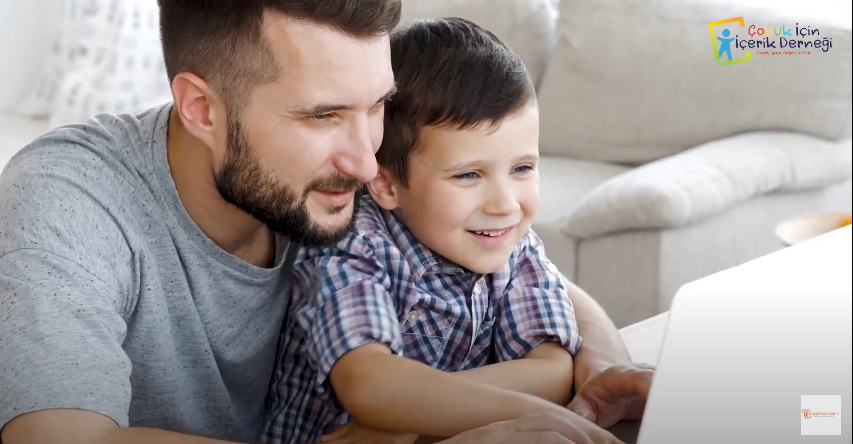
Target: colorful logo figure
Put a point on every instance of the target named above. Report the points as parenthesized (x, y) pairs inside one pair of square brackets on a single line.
[(807, 413), (723, 45)]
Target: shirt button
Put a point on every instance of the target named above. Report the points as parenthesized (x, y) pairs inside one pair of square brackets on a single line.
[(552, 268), (413, 317)]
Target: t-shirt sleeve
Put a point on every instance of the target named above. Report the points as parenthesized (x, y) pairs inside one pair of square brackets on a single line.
[(536, 307), (63, 290), (350, 304)]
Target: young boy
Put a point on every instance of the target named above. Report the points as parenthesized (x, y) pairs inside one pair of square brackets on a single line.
[(394, 327)]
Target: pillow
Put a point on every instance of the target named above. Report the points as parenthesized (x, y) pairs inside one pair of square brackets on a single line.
[(631, 81), (527, 27), (29, 28), (64, 20), (703, 181), (107, 59)]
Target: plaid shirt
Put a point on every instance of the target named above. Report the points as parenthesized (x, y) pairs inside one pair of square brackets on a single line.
[(380, 285)]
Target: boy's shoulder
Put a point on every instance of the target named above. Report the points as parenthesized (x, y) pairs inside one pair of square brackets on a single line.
[(370, 220), (528, 259), (369, 236)]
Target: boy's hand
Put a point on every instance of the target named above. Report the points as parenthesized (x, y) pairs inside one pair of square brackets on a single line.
[(355, 433)]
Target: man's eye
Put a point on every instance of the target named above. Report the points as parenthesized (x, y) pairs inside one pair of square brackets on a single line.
[(320, 117)]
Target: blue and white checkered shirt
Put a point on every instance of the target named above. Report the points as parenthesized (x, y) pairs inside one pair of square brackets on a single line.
[(380, 285)]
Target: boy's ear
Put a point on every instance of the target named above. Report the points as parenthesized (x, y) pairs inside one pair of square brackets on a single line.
[(383, 189)]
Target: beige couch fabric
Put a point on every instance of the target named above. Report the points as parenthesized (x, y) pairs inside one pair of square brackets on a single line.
[(701, 182), (632, 81), (528, 27)]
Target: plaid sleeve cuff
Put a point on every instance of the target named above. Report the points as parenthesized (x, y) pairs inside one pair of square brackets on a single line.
[(535, 308), (358, 316), (352, 307)]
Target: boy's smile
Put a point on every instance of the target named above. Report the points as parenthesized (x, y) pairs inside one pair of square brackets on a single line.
[(471, 193)]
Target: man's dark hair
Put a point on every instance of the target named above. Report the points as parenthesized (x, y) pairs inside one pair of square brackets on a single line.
[(450, 73), (221, 41)]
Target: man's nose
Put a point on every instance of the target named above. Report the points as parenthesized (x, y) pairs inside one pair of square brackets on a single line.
[(500, 199), (358, 156)]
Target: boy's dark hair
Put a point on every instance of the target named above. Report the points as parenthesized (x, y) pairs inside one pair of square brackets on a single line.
[(450, 73), (221, 41)]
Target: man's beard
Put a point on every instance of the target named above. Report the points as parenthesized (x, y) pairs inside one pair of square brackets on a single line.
[(243, 182)]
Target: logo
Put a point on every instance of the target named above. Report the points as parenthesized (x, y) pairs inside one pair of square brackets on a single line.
[(809, 414), (723, 50), (735, 42), (821, 415)]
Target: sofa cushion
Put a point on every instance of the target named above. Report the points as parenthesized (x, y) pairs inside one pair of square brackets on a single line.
[(526, 26), (708, 179), (634, 275), (31, 29), (107, 59), (632, 81)]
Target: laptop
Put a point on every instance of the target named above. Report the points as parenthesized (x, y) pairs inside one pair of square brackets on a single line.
[(759, 353)]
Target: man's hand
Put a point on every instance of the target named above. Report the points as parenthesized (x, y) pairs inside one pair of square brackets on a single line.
[(614, 394), (355, 433), (540, 428)]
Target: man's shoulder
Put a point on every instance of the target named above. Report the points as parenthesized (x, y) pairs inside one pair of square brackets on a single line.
[(75, 180), (105, 141)]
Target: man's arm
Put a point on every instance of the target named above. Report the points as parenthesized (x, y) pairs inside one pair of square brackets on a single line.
[(610, 388), (602, 344), (70, 426)]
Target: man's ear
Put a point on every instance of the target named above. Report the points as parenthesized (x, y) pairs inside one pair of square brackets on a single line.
[(195, 103), (384, 189)]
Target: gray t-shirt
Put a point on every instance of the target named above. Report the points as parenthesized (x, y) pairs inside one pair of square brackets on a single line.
[(113, 300)]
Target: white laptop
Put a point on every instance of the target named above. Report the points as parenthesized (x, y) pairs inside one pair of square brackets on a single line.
[(759, 353)]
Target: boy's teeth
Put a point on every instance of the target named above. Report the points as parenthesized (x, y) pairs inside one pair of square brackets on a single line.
[(491, 233)]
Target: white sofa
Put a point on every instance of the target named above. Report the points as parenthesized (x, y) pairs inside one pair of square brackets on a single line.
[(658, 167)]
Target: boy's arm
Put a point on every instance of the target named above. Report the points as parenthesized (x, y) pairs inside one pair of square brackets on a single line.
[(354, 343), (398, 394), (545, 372), (536, 336)]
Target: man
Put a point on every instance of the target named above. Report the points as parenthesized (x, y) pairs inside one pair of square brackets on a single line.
[(144, 259)]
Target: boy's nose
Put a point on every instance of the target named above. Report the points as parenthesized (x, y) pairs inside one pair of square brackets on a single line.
[(500, 201)]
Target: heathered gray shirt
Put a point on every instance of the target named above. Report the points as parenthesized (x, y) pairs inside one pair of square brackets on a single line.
[(113, 300)]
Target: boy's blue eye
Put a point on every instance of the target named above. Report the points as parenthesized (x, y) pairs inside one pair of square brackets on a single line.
[(466, 176), (523, 168)]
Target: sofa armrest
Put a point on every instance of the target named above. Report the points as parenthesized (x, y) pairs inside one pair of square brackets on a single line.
[(708, 179)]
